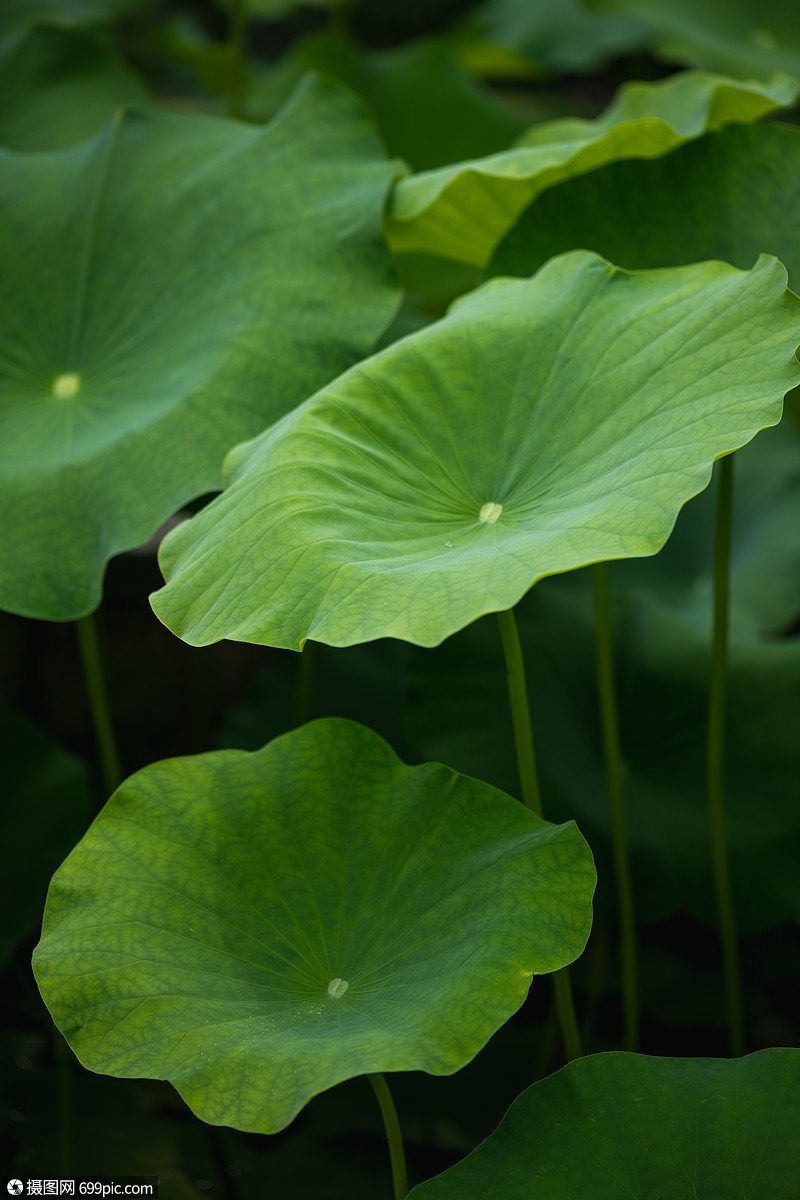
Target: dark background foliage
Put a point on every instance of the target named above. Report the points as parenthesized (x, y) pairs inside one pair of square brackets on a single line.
[(445, 81)]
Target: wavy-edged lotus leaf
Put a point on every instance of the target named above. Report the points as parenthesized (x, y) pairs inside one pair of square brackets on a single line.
[(749, 39), (612, 1125), (463, 211), (542, 425), (58, 86), (256, 927), (169, 289), (733, 195)]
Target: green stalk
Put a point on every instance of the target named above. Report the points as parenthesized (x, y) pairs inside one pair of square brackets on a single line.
[(339, 19), (64, 1055), (305, 680), (716, 757), (393, 1135), (529, 784), (237, 30), (94, 680), (520, 711), (616, 807), (547, 1042), (568, 1022), (219, 1157), (201, 665)]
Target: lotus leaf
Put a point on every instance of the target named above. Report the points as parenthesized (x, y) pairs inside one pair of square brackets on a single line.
[(565, 37), (463, 211), (544, 424), (732, 195), (258, 927), (749, 39), (613, 1125), (168, 289), (58, 87)]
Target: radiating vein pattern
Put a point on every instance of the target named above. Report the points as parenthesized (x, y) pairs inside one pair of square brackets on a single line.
[(542, 425), (258, 927)]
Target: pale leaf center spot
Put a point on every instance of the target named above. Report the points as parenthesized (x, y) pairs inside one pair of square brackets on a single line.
[(489, 513), (66, 386), (337, 987)]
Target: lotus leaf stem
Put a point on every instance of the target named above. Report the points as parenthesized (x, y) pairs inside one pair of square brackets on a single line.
[(237, 35), (220, 1160), (520, 711), (393, 1135), (568, 1022), (529, 784), (63, 1056), (715, 761), (304, 685), (604, 657), (97, 693)]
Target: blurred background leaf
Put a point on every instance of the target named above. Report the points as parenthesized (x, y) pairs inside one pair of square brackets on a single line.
[(59, 86), (746, 38)]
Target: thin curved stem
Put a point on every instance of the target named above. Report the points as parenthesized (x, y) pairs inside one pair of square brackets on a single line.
[(64, 1055), (393, 1135), (529, 784), (716, 757), (94, 679), (201, 665), (520, 711), (547, 1041), (220, 1159), (606, 691), (237, 35), (304, 686), (568, 1022)]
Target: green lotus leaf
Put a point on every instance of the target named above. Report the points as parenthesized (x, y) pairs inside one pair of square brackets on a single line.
[(544, 424), (169, 289), (258, 927), (463, 211), (58, 87), (751, 38), (733, 195), (613, 1125)]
